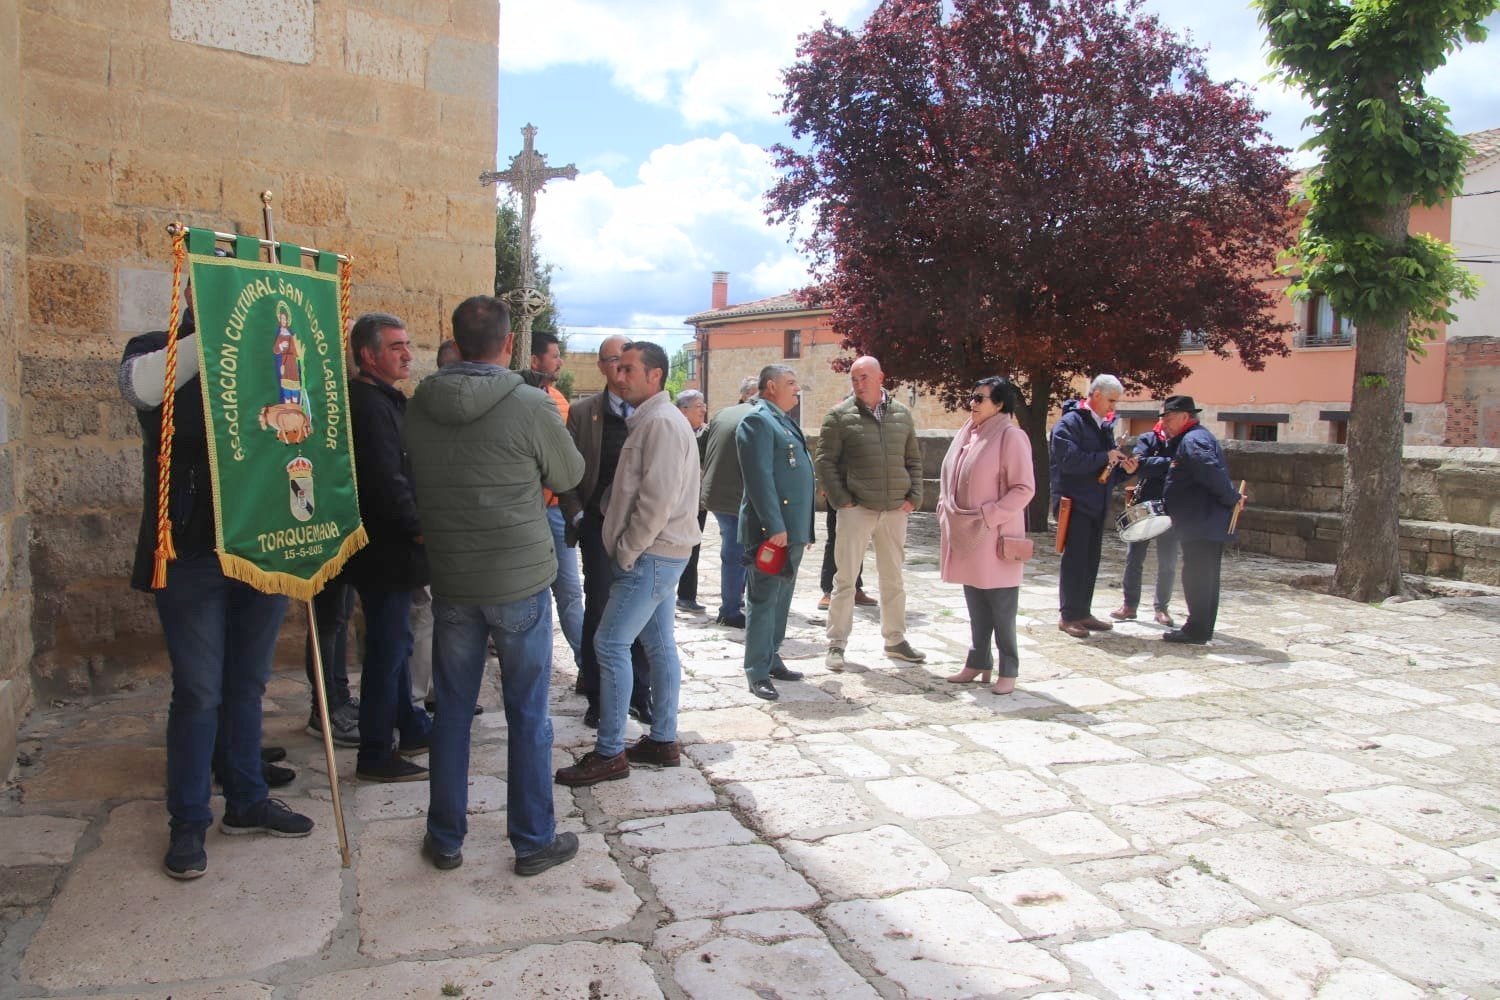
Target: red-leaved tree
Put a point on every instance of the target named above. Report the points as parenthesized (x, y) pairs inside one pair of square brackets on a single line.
[(1046, 189)]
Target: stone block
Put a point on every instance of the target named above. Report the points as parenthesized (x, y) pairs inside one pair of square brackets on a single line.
[(50, 231), (272, 29), (27, 885), (313, 200), (470, 67), (63, 107), (64, 48), (429, 264), (69, 296), (384, 48), (166, 178), (575, 969), (207, 79), (868, 864), (734, 967), (67, 419), (66, 167), (335, 99), (422, 213), (718, 881), (144, 299), (74, 478), (474, 18)]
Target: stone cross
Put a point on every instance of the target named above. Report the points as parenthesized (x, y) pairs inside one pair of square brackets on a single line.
[(528, 173)]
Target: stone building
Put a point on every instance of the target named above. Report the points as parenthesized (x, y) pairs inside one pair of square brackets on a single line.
[(370, 121)]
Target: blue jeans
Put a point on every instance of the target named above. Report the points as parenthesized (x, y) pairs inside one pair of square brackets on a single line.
[(769, 601), (567, 589), (332, 607), (731, 566), (385, 680), (522, 631), (221, 635), (641, 605), (1166, 569)]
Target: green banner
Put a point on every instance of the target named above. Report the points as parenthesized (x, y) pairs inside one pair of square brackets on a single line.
[(276, 401)]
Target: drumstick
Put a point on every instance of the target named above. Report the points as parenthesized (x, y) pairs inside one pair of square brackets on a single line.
[(1234, 519)]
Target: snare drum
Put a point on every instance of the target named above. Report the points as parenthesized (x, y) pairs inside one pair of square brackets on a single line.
[(1143, 521)]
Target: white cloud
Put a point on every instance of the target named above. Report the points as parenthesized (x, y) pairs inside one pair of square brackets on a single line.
[(649, 248), (714, 64)]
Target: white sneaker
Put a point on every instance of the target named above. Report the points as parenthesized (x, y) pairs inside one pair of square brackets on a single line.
[(835, 659)]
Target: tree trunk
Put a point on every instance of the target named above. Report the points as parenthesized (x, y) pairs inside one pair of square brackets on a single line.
[(1034, 422), (1369, 556)]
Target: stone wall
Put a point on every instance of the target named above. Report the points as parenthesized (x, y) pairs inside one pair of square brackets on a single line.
[(1473, 392), (15, 561), (370, 122)]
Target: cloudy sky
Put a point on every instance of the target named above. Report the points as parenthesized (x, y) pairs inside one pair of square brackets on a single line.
[(667, 107)]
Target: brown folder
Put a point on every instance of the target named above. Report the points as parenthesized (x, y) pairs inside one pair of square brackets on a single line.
[(1064, 514)]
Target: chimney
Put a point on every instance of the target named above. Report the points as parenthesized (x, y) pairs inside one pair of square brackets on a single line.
[(721, 290)]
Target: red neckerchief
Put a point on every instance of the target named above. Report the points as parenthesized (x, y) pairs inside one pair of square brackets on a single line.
[(1158, 430), (1185, 427)]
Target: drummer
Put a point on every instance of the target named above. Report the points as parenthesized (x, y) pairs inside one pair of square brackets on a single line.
[(1201, 501), (1153, 453)]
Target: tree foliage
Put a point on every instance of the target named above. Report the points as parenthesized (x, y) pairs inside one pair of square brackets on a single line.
[(1385, 144), (1042, 188)]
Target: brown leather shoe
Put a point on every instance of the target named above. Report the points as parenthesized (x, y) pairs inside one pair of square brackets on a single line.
[(864, 600), (592, 769), (1124, 613), (654, 754), (1095, 625), (1162, 618), (824, 601), (1075, 629)]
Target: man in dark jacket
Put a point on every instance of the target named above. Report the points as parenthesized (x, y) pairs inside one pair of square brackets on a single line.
[(220, 633), (723, 488), (1085, 465), (484, 445), (394, 563), (1201, 500), (1153, 453)]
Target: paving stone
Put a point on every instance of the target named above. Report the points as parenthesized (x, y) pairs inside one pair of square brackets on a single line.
[(976, 762), (1352, 701), (939, 944), (1417, 811), (576, 969), (906, 742), (870, 863), (717, 881), (744, 723), (105, 927), (848, 759), (1047, 903), (406, 906), (1172, 684), (673, 938), (1486, 853), (1380, 847), (1042, 744), (400, 800), (684, 832), (1416, 936), (220, 991), (729, 968), (1209, 769), (1404, 691), (1268, 674), (1068, 833), (1318, 772), (1174, 822), (27, 885), (38, 840), (1010, 793), (1138, 964), (1084, 692), (1234, 736), (89, 775), (921, 798), (1277, 865), (1181, 898), (1287, 960), (654, 790), (748, 761), (1356, 980), (793, 806), (1112, 784), (771, 925), (1276, 805), (1480, 894)]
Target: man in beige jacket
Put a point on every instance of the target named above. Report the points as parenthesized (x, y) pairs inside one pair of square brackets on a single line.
[(650, 528)]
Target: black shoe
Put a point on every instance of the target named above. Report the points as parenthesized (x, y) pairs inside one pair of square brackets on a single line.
[(415, 747), (277, 776), (393, 768), (561, 850), (764, 689), (591, 716), (642, 714), (782, 672), (186, 858), (270, 816), (431, 707), (733, 621), (272, 755), (1178, 635), (683, 604), (440, 861), (343, 722)]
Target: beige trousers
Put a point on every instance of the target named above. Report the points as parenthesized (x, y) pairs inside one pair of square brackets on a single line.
[(858, 527)]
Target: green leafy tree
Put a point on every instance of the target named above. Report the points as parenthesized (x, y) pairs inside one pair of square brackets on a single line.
[(508, 268), (1386, 145), (677, 373)]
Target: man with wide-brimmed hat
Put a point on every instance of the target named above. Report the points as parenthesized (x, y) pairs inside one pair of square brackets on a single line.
[(1201, 500)]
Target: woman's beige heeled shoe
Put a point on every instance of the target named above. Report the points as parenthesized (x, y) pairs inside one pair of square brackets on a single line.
[(968, 674), (1004, 685)]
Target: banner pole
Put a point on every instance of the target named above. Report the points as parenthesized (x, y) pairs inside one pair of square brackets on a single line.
[(321, 693), (173, 228)]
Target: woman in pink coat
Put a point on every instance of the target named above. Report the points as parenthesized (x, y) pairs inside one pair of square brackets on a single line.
[(987, 483)]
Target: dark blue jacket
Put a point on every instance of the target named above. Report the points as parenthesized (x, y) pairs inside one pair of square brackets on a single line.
[(1199, 496), (778, 476), (1079, 449), (1154, 451)]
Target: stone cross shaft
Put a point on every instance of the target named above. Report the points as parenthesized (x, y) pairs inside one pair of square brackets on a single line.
[(527, 174)]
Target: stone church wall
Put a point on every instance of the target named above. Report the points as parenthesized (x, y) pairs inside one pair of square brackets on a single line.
[(370, 122)]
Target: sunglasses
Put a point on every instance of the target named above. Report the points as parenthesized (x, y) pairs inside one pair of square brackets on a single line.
[(978, 398)]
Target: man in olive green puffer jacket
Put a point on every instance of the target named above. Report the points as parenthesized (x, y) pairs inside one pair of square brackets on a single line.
[(870, 468)]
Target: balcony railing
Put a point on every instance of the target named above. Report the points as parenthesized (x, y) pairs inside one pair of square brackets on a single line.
[(1305, 338)]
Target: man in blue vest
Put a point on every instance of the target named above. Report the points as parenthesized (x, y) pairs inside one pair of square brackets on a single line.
[(777, 509), (1201, 500)]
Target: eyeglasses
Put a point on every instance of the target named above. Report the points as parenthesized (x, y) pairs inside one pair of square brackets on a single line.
[(978, 398)]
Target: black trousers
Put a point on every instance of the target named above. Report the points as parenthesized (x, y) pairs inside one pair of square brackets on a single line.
[(1201, 560), (1080, 566), (829, 567), (332, 608), (687, 585), (596, 581), (992, 613)]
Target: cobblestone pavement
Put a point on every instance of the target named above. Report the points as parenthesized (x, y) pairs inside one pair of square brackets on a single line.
[(1308, 807)]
